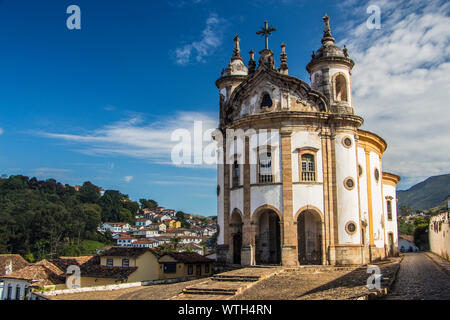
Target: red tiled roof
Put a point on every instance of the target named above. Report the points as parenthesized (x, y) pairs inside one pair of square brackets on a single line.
[(43, 273), (15, 260), (125, 252)]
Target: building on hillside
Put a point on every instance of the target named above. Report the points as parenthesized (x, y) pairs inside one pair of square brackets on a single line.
[(162, 227), (176, 265), (406, 244), (115, 227), (145, 243), (191, 247), (189, 239), (43, 275), (144, 222), (125, 241), (174, 224), (147, 232), (438, 233), (301, 183)]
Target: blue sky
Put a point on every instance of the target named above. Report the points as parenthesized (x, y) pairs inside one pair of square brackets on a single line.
[(99, 104)]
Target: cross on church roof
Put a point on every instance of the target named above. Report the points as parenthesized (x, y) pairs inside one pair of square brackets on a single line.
[(266, 31)]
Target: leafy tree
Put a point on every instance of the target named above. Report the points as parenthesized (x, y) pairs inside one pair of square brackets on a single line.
[(148, 203), (89, 193)]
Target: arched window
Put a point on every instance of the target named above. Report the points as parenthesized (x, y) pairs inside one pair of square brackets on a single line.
[(235, 173), (308, 167), (266, 101), (389, 209), (340, 88), (265, 167)]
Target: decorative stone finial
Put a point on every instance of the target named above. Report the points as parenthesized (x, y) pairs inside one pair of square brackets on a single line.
[(327, 36), (237, 49), (252, 62), (283, 58)]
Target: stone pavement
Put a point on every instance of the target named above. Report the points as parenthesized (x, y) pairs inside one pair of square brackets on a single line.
[(442, 263), (319, 283), (420, 278)]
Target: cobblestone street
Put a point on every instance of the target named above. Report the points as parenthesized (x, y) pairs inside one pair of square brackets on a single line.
[(419, 278)]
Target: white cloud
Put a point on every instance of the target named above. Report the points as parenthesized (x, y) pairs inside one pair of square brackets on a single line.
[(136, 138), (1, 131), (128, 179), (50, 173), (401, 84), (211, 39)]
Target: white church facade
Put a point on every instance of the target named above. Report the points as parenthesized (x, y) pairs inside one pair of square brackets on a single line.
[(305, 185)]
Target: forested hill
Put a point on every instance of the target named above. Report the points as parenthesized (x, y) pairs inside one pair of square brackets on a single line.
[(426, 194), (44, 219)]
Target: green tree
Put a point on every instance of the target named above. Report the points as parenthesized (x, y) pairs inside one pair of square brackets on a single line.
[(89, 193)]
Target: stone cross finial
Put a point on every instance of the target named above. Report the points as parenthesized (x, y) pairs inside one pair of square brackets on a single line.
[(327, 36), (266, 32)]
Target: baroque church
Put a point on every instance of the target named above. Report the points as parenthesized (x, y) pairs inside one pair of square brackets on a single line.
[(314, 192)]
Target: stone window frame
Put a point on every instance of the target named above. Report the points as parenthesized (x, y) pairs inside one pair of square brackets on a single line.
[(304, 151), (348, 224), (389, 206), (376, 174), (235, 161), (333, 81), (259, 150), (263, 92), (349, 179), (343, 142)]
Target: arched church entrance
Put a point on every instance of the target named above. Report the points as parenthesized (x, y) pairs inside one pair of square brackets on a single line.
[(309, 234), (268, 238), (236, 234)]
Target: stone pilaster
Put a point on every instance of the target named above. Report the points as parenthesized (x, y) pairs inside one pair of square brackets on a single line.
[(247, 252), (226, 204), (289, 255)]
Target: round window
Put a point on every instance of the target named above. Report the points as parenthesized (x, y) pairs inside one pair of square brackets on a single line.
[(351, 227), (377, 174), (349, 183), (360, 170), (347, 142)]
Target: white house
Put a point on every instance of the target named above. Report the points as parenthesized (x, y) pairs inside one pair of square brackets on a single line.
[(406, 244), (125, 241), (115, 227), (146, 243), (143, 222)]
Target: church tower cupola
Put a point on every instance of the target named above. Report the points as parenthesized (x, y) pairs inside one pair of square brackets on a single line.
[(232, 76), (330, 70)]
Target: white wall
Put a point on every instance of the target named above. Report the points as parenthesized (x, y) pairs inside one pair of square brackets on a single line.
[(377, 201), (266, 194), (347, 200), (390, 226), (364, 201)]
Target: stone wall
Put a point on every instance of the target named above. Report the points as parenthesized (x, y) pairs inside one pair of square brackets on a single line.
[(438, 234)]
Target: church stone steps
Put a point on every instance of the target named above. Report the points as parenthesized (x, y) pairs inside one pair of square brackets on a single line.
[(236, 278), (210, 291)]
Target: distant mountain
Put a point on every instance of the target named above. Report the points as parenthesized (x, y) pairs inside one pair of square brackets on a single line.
[(426, 194)]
